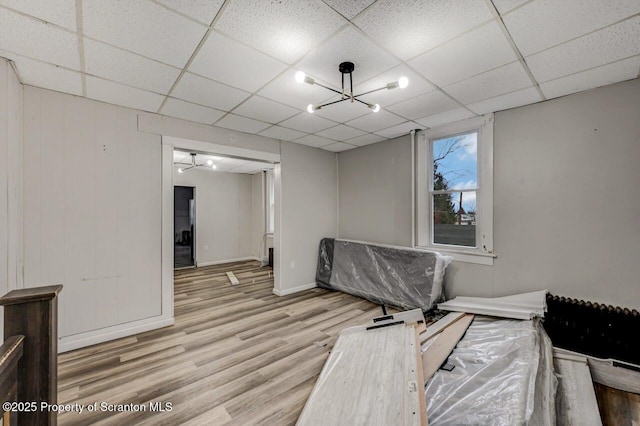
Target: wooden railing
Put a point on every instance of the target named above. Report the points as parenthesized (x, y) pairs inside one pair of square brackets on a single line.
[(28, 356)]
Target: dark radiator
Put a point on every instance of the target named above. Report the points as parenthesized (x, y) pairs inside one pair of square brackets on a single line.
[(594, 329)]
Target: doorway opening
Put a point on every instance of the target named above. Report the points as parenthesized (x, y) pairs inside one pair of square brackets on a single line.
[(184, 223)]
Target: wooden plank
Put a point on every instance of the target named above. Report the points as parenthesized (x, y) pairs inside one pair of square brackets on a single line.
[(576, 402), (437, 327), (370, 378), (232, 278), (438, 352), (609, 372), (521, 314)]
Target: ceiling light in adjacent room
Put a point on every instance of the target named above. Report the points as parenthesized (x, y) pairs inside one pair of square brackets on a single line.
[(180, 171), (210, 162)]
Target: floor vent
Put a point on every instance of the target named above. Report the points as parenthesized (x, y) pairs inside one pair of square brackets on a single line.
[(595, 329)]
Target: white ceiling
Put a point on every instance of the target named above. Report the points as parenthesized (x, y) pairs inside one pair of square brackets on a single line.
[(182, 159), (231, 63)]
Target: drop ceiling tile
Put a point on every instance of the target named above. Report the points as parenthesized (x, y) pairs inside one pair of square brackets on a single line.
[(601, 47), (607, 74), (143, 27), (541, 24), (376, 121), (475, 52), (117, 94), (343, 111), (423, 105), (209, 93), (201, 10), (285, 29), (118, 65), (34, 39), (192, 112), (265, 110), (58, 12), (348, 45), (409, 28), (399, 130), (506, 6), (417, 86), (340, 132), (505, 79), (314, 141), (338, 147), (286, 90), (47, 76), (367, 139), (445, 117), (306, 122), (349, 9), (282, 133), (241, 124), (510, 100), (227, 61)]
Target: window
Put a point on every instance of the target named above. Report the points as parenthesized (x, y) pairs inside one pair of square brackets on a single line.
[(454, 189)]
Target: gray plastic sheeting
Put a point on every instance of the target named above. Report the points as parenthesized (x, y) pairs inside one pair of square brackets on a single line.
[(503, 375), (401, 277)]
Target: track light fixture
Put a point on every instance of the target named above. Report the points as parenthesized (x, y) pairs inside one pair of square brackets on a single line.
[(347, 68)]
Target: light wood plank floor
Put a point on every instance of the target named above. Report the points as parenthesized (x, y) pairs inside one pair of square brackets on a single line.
[(236, 354)]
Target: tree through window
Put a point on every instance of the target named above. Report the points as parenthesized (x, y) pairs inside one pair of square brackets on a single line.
[(454, 188)]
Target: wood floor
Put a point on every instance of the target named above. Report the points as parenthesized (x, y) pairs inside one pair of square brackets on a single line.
[(236, 354), (617, 408)]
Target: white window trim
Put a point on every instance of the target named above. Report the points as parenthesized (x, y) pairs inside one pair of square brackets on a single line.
[(483, 254)]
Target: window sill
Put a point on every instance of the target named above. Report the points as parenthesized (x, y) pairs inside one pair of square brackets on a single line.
[(466, 256)]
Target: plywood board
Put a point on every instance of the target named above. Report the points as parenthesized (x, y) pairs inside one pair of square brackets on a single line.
[(372, 378), (576, 402), (438, 352)]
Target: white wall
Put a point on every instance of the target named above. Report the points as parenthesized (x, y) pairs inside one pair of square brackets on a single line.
[(257, 215), (11, 117), (92, 213), (566, 199), (223, 214), (376, 175), (308, 209)]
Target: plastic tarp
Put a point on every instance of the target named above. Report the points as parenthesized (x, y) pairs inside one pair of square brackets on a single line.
[(398, 276), (503, 375)]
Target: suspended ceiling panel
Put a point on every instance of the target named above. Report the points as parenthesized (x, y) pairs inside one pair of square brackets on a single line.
[(232, 63)]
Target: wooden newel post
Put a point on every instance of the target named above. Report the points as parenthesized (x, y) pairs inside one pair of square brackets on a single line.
[(33, 313)]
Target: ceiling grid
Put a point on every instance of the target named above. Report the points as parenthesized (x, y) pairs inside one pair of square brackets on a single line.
[(231, 63)]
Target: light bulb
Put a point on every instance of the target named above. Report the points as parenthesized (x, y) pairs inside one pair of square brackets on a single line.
[(300, 75), (209, 162), (180, 170), (403, 82), (213, 166), (375, 107), (310, 108)]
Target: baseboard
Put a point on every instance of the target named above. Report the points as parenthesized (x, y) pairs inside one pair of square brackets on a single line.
[(288, 291), (82, 340), (218, 262)]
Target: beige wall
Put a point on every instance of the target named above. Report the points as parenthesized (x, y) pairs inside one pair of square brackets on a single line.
[(374, 198), (308, 212), (223, 214), (257, 215), (92, 211), (11, 121), (566, 199)]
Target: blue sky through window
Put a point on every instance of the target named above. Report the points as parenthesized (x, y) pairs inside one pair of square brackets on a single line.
[(457, 160)]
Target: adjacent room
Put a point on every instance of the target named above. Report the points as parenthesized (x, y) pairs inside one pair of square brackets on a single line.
[(320, 212)]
